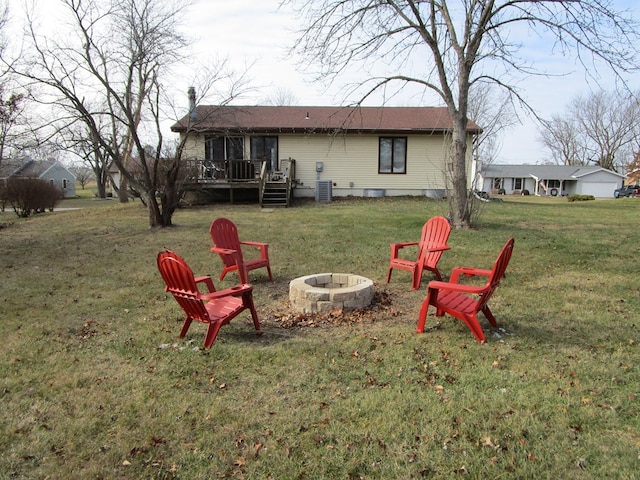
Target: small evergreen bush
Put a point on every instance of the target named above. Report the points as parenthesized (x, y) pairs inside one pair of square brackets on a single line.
[(574, 197)]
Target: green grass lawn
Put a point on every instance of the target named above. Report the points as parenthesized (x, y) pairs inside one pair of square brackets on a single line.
[(95, 383)]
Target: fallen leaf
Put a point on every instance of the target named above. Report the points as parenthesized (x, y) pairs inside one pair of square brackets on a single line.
[(256, 448), (486, 441)]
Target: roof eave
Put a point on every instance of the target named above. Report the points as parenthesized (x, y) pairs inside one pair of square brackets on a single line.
[(311, 130)]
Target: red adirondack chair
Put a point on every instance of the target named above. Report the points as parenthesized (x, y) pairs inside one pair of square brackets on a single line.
[(216, 308), (224, 235), (432, 244), (465, 301)]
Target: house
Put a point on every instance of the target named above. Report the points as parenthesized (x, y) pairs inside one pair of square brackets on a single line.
[(548, 180), (51, 171), (323, 151)]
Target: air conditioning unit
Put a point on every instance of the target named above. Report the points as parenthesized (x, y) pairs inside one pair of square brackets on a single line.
[(323, 190)]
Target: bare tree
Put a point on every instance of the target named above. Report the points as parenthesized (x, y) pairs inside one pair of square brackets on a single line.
[(80, 139), (563, 137), (121, 74), (599, 128), (491, 108), (14, 131), (83, 173), (447, 46), (281, 97), (11, 114), (610, 122)]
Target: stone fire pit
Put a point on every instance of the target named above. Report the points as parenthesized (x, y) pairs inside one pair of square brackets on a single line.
[(325, 292)]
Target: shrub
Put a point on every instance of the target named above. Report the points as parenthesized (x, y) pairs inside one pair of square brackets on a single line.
[(30, 195), (574, 197)]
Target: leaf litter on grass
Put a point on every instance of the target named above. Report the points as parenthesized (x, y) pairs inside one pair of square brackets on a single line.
[(380, 308)]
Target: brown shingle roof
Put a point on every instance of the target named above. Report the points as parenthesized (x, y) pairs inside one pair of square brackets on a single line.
[(265, 119)]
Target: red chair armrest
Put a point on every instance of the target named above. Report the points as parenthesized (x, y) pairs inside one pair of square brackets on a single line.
[(467, 272), (206, 279), (395, 247), (264, 247), (404, 244), (255, 244), (224, 251), (457, 287), (236, 291), (440, 248)]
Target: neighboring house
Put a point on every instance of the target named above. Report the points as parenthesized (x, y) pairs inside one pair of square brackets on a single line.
[(549, 180), (51, 171), (364, 151)]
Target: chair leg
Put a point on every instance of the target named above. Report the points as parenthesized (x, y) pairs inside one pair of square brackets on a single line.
[(472, 323), (389, 274), (254, 317), (490, 317), (416, 277), (437, 273), (424, 310), (185, 326), (212, 333), (269, 271)]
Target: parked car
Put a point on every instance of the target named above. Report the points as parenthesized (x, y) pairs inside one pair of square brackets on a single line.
[(627, 191)]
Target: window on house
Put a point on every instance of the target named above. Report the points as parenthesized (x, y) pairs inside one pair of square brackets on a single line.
[(392, 155), (64, 183), (265, 149), (224, 148), (552, 183), (518, 183), (497, 183)]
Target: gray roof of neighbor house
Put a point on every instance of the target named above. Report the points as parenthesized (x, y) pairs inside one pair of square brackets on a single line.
[(27, 168), (268, 119), (36, 169), (555, 172)]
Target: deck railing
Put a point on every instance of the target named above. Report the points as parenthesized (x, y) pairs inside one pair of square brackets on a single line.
[(212, 171)]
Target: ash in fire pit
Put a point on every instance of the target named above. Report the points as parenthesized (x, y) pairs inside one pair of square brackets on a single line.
[(324, 292)]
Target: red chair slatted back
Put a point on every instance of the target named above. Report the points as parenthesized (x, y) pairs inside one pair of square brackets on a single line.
[(497, 272), (435, 233), (224, 234), (180, 282)]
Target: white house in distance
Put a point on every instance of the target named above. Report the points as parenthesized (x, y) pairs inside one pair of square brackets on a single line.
[(549, 180), (363, 151)]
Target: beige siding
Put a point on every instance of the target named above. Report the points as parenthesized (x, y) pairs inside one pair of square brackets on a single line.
[(351, 163), (194, 147)]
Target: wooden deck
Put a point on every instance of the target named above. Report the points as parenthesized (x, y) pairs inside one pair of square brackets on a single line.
[(272, 187)]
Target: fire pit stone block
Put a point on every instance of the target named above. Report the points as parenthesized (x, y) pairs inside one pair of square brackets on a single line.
[(325, 292)]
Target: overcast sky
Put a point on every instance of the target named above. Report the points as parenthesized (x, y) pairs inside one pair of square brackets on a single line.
[(256, 34), (255, 31)]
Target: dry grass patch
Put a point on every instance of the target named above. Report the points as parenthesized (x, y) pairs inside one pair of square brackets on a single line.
[(95, 383)]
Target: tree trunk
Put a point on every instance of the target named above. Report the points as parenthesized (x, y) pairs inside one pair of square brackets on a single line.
[(459, 205), (123, 190), (101, 175), (156, 218)]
